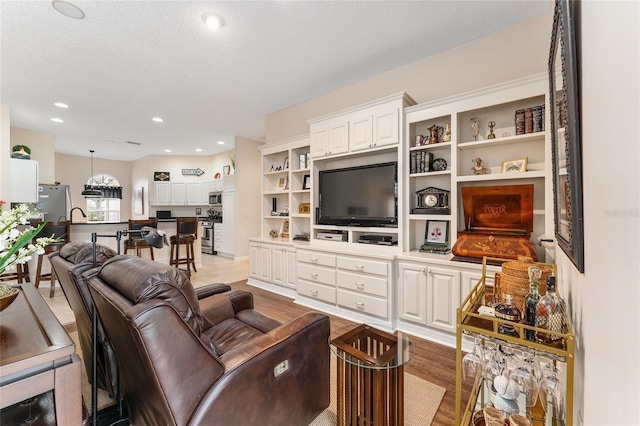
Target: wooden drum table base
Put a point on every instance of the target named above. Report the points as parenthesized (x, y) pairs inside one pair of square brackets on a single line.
[(370, 376)]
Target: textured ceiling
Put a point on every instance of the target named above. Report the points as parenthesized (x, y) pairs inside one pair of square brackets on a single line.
[(129, 61)]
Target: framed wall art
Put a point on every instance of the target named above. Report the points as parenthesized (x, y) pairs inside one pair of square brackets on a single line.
[(306, 182), (565, 134), (514, 166)]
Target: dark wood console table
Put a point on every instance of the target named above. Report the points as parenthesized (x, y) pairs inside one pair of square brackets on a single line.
[(37, 355)]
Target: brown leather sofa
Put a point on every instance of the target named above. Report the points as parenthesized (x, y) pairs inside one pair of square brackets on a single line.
[(213, 362)]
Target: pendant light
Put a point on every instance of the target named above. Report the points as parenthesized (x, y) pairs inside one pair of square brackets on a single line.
[(89, 190)]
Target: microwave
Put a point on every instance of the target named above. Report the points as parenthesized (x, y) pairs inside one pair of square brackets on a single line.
[(215, 198)]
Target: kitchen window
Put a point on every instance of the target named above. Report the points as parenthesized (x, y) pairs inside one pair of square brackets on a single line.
[(103, 209)]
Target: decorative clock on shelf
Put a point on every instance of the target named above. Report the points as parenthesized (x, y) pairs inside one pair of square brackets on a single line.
[(160, 176), (432, 201)]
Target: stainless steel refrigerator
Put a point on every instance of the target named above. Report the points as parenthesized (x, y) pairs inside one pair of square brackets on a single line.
[(54, 202)]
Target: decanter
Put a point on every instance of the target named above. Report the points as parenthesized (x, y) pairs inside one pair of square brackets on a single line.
[(551, 314), (531, 301), (507, 311)]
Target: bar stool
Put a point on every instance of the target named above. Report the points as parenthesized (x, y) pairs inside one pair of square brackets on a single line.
[(136, 241), (21, 274), (51, 229), (186, 233)]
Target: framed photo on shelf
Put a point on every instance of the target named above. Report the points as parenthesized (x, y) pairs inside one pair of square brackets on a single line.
[(285, 166), (284, 229), (436, 233), (308, 160), (304, 208), (306, 182), (515, 166), (283, 183), (226, 170), (303, 161)]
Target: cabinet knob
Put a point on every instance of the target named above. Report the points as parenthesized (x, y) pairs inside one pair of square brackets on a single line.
[(360, 286), (429, 270), (314, 293), (361, 267), (314, 259), (283, 250), (360, 305), (314, 276), (423, 270)]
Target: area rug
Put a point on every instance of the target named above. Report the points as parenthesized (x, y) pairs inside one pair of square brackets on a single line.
[(421, 398), (421, 401)]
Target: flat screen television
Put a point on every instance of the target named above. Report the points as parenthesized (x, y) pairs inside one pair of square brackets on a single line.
[(359, 196)]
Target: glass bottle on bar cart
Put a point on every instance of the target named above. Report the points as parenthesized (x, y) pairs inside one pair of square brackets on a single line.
[(531, 301), (508, 311), (551, 314)]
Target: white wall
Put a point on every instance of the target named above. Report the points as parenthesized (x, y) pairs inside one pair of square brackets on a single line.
[(514, 52), (5, 154), (605, 299)]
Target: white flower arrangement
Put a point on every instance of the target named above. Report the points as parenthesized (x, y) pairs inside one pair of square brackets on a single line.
[(16, 237)]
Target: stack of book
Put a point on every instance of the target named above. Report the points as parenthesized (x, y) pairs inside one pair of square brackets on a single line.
[(530, 120)]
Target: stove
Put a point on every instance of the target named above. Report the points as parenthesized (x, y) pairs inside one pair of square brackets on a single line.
[(207, 237)]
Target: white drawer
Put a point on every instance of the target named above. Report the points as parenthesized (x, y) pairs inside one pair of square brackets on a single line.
[(217, 226), (316, 291), (317, 274), (367, 266), (363, 303), (360, 283), (316, 258)]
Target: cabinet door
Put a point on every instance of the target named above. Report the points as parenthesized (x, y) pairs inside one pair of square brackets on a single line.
[(291, 269), (163, 193), (360, 133), (385, 128), (412, 288), (254, 260), (228, 222), (443, 298), (205, 188), (264, 254), (193, 194), (279, 265), (318, 137), (178, 194), (24, 181), (338, 141)]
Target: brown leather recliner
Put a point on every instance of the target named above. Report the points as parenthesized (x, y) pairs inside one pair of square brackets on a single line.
[(216, 362), (69, 263)]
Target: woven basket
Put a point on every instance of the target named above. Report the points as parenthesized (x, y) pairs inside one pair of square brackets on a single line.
[(514, 279)]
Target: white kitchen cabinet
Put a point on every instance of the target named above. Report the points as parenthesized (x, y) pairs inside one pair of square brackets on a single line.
[(412, 292), (194, 197), (178, 194), (24, 181), (386, 128), (205, 188), (443, 297), (162, 193)]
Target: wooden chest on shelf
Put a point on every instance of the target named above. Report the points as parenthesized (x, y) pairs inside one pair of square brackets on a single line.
[(499, 222)]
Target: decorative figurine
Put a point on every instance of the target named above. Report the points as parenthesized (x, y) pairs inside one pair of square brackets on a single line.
[(479, 168), (446, 134), (491, 125), (475, 125), (419, 140), (434, 133)]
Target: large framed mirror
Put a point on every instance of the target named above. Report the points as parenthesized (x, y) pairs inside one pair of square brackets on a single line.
[(565, 134)]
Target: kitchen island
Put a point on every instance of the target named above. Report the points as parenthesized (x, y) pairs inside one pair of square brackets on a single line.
[(82, 231)]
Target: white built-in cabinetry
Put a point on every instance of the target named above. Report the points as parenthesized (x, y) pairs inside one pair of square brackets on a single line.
[(24, 181), (399, 286), (181, 193), (227, 243)]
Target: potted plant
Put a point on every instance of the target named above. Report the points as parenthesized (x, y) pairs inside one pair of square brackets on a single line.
[(21, 151)]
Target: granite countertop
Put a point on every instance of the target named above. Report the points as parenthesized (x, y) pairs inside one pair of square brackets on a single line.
[(127, 222)]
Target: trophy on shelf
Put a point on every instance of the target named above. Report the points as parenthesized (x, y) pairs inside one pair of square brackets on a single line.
[(491, 125), (475, 125)]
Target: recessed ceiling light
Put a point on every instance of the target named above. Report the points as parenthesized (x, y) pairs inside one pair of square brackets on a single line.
[(57, 120), (198, 149), (61, 105), (167, 150), (212, 20), (158, 119), (220, 142), (68, 9)]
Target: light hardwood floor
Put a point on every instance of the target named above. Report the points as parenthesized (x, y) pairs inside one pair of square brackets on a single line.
[(432, 362)]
